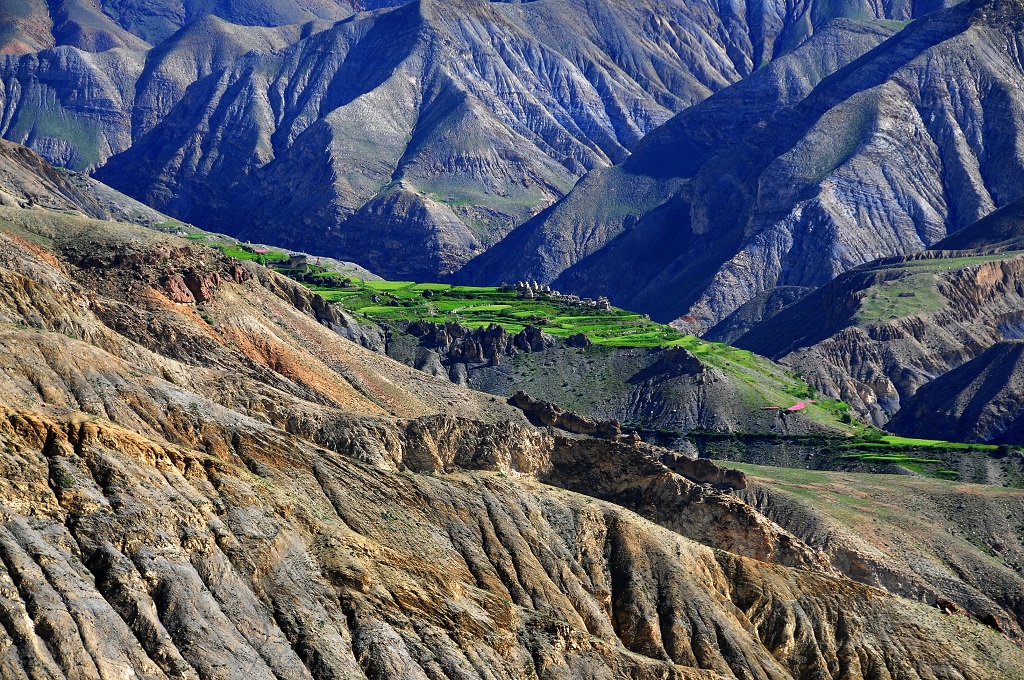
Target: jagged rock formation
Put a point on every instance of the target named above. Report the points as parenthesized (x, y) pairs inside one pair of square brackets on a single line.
[(980, 401), (408, 140), (553, 415), (885, 156), (460, 344), (876, 335), (230, 489)]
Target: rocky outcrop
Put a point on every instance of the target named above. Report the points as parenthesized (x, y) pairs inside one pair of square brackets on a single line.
[(703, 471), (552, 415), (177, 290), (458, 344)]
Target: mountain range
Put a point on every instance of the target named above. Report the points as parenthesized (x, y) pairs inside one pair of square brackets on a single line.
[(407, 139), (831, 157), (221, 459)]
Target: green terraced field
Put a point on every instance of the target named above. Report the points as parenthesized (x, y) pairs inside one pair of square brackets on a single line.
[(764, 383), (475, 307)]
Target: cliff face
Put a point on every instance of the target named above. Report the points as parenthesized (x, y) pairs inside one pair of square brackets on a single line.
[(222, 486), (884, 157)]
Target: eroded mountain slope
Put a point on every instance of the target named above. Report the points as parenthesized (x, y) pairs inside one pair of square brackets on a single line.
[(202, 479), (976, 402), (110, 24), (876, 335), (916, 535), (408, 139), (918, 138)]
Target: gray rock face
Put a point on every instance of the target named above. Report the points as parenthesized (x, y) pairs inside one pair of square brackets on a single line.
[(916, 139), (980, 401), (437, 125)]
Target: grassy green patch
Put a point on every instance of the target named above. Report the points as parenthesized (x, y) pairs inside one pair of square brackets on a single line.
[(905, 296), (246, 253), (388, 285), (893, 440)]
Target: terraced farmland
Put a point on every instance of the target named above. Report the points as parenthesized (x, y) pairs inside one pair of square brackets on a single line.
[(474, 307)]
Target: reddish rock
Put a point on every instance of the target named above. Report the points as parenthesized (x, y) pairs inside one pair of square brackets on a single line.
[(178, 291), (202, 285), (239, 273)]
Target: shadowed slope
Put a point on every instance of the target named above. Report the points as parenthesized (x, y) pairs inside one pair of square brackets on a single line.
[(884, 157)]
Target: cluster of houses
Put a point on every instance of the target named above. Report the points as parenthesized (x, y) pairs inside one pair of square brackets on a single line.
[(530, 290)]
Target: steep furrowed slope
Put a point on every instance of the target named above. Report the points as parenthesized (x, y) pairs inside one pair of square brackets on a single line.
[(202, 479)]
